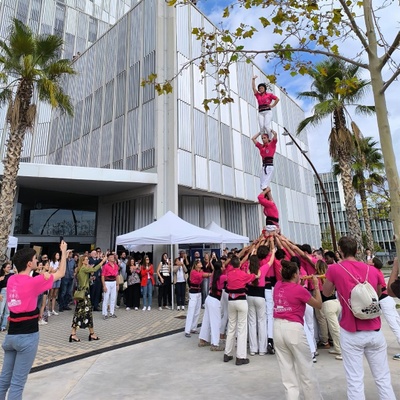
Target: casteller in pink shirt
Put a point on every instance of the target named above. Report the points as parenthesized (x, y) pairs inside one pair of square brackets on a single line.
[(290, 301), (23, 291), (344, 284)]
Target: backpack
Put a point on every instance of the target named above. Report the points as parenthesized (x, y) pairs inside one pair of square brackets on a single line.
[(364, 301)]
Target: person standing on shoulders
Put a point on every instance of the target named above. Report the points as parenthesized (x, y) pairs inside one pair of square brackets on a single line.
[(359, 337)]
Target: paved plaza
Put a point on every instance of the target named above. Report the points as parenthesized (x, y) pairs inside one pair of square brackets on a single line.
[(144, 355)]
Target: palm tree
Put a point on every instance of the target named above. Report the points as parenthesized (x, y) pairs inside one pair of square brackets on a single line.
[(336, 86), (367, 165), (28, 63)]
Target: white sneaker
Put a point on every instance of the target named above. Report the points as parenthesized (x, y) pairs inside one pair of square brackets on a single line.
[(160, 308), (127, 308), (54, 312), (148, 308), (167, 307), (183, 308), (42, 322), (178, 308), (117, 307), (144, 308), (136, 308)]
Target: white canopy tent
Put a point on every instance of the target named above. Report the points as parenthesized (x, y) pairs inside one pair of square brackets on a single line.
[(169, 229), (227, 236)]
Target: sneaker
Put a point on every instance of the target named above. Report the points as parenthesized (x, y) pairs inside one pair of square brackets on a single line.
[(316, 353), (54, 312), (333, 351), (188, 335), (42, 322), (324, 345), (148, 308), (144, 308), (113, 316), (117, 307), (314, 358), (216, 348), (339, 357), (396, 357), (203, 343), (105, 317), (261, 354), (136, 309), (178, 308), (227, 358), (167, 307), (183, 308), (270, 349), (242, 361), (127, 308), (159, 308), (252, 353)]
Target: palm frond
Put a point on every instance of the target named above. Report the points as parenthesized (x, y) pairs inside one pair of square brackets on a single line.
[(365, 110), (21, 39), (47, 47)]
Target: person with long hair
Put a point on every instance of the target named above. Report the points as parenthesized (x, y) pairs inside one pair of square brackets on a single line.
[(22, 340), (205, 284), (192, 317), (291, 346), (4, 312), (256, 302), (180, 271), (109, 275), (132, 291), (83, 317), (54, 264), (211, 324), (320, 268), (164, 278), (147, 282)]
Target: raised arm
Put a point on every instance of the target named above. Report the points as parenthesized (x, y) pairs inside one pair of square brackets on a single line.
[(63, 262), (253, 84), (255, 137)]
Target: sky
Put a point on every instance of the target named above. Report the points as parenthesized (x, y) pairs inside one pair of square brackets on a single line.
[(318, 136)]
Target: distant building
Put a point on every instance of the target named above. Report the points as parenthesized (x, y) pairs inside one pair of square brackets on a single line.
[(382, 229)]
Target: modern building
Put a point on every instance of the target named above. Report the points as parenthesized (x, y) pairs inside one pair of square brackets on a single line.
[(382, 229), (128, 155)]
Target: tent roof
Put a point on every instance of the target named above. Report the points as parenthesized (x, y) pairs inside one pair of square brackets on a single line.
[(227, 236), (169, 229)]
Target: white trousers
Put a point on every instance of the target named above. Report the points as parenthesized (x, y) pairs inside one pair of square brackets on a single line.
[(269, 310), (237, 319), (109, 297), (193, 313), (388, 306), (373, 345), (309, 327), (332, 309), (224, 312), (211, 321), (266, 176), (264, 119), (256, 320), (294, 360)]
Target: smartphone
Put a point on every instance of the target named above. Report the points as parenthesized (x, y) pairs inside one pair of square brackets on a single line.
[(61, 238)]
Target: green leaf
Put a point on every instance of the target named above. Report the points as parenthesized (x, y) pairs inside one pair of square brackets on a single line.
[(264, 22)]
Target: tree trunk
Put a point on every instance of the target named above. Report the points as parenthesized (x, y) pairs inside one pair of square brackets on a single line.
[(350, 201), (367, 222), (18, 127), (383, 123)]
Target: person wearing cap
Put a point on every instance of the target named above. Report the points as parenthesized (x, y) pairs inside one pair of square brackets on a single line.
[(266, 102)]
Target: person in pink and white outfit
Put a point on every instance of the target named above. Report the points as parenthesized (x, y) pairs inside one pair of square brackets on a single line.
[(359, 337)]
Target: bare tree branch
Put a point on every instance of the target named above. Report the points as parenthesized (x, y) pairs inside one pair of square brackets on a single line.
[(354, 24), (388, 83), (384, 59)]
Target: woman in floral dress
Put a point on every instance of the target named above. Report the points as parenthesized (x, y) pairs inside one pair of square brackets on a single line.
[(83, 317)]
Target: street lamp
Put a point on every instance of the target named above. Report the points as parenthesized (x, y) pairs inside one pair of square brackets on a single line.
[(328, 204)]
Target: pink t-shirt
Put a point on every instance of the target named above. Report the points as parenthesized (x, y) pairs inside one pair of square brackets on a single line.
[(265, 98), (270, 208), (290, 301), (267, 150), (344, 284), (23, 291)]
